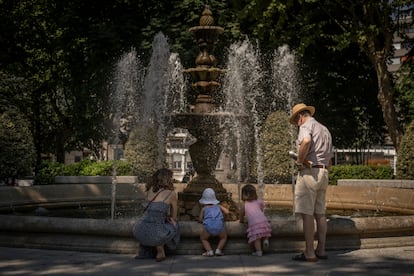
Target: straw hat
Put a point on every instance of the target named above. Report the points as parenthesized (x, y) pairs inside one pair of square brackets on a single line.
[(209, 197), (298, 108)]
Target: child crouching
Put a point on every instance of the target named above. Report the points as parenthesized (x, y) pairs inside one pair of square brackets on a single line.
[(212, 218), (259, 228)]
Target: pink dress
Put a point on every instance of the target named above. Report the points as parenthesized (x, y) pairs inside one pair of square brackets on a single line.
[(258, 225)]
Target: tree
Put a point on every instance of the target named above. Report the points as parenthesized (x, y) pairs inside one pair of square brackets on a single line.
[(336, 25), (16, 146), (371, 25), (343, 89), (64, 52)]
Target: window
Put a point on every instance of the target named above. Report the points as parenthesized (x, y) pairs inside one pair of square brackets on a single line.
[(395, 60), (177, 161), (177, 165)]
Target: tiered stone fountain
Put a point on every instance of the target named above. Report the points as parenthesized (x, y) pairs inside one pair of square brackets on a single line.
[(204, 122)]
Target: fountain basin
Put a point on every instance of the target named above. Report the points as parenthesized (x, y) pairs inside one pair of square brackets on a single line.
[(115, 236), (105, 235)]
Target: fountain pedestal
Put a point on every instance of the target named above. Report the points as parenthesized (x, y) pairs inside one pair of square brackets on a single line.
[(205, 152)]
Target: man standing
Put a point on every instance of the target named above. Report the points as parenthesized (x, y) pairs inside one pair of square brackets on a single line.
[(314, 145)]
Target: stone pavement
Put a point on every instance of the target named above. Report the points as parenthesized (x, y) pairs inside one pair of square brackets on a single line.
[(379, 261)]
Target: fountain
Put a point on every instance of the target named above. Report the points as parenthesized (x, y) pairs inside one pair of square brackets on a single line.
[(206, 122)]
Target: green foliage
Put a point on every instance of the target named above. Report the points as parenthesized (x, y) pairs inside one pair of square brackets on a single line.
[(276, 142), (347, 79), (64, 52), (405, 91), (123, 168), (106, 168), (324, 33), (47, 172), (141, 152), (359, 172), (17, 158), (97, 168), (50, 169), (78, 168), (405, 163), (57, 57)]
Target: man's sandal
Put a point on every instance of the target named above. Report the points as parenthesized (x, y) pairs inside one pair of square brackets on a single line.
[(322, 257), (302, 258)]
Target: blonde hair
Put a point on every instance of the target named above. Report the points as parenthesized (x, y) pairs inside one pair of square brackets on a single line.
[(249, 193)]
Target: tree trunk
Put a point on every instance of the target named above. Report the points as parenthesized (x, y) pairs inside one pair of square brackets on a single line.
[(377, 53), (386, 99)]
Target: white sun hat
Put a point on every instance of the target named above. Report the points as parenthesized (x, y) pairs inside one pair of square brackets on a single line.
[(209, 197)]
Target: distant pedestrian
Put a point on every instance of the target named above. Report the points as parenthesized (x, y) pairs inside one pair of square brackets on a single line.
[(259, 228), (212, 218)]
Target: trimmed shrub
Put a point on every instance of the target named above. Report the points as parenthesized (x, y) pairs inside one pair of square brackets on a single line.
[(49, 170), (141, 152), (405, 163), (359, 172), (17, 158), (276, 141), (106, 168)]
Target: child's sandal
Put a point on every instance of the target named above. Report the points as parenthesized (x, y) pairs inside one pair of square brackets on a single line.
[(208, 253), (219, 252)]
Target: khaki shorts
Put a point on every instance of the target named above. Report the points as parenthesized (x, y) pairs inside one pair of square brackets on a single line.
[(310, 191)]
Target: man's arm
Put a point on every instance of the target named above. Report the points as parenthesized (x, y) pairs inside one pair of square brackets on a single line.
[(303, 152)]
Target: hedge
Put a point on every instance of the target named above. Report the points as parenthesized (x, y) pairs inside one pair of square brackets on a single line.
[(359, 172)]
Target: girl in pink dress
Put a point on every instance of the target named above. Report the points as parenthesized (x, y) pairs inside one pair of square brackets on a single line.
[(259, 228)]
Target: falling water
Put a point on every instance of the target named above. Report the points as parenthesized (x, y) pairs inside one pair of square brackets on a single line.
[(125, 100), (244, 86), (128, 80), (286, 88), (154, 93), (243, 89), (142, 97), (286, 84), (176, 100), (285, 78)]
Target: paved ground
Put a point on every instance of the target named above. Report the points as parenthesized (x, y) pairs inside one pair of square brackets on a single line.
[(381, 261)]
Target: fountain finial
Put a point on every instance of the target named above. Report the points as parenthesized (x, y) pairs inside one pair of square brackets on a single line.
[(206, 18)]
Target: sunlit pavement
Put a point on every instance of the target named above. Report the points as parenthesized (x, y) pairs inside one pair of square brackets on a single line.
[(379, 261)]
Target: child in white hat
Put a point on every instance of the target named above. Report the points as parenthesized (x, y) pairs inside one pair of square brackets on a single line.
[(212, 218)]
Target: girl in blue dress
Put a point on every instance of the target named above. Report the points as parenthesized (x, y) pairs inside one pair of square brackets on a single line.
[(212, 218), (158, 230)]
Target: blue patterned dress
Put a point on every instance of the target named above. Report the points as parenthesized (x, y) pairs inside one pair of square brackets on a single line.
[(154, 230)]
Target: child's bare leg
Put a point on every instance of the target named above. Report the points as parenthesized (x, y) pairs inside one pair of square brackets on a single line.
[(204, 240), (223, 240), (258, 245)]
